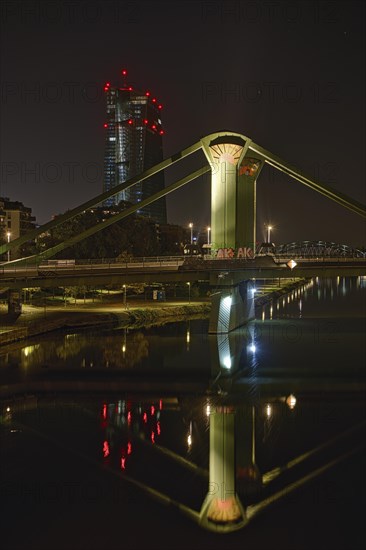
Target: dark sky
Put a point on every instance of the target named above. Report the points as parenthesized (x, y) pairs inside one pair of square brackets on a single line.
[(290, 75)]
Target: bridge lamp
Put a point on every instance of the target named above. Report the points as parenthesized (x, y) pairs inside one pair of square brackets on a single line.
[(124, 295), (191, 228), (226, 362), (189, 292), (208, 235), (291, 264), (8, 234), (269, 229)]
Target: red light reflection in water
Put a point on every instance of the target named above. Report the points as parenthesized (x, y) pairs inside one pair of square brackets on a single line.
[(152, 410), (104, 413), (129, 448), (105, 449), (160, 404), (129, 417), (145, 417), (123, 462), (158, 429), (152, 437)]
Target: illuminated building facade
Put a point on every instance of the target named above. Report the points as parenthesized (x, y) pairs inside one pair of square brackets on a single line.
[(15, 221), (133, 143)]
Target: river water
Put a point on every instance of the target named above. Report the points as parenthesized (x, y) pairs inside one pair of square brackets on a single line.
[(108, 437)]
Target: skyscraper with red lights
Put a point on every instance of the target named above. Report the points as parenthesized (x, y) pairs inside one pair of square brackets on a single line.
[(133, 143)]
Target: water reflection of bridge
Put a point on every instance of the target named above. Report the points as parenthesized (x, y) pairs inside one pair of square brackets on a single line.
[(242, 405)]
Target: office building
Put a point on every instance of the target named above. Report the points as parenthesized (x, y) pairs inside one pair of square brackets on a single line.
[(133, 143)]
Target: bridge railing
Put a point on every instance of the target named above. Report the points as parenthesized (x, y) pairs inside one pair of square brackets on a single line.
[(310, 259), (71, 265)]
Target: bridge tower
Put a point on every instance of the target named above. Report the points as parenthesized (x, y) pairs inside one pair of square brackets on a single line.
[(235, 169), (222, 510)]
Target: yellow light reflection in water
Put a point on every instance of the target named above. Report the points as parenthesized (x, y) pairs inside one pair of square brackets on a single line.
[(291, 401)]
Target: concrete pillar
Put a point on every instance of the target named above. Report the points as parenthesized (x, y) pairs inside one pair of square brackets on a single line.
[(222, 510), (233, 190), (231, 308)]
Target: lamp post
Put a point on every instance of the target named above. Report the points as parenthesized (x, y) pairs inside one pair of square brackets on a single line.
[(191, 228), (208, 235), (269, 228), (8, 234), (124, 296), (189, 292)]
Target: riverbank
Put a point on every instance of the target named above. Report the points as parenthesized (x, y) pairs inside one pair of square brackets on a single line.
[(39, 320), (36, 320)]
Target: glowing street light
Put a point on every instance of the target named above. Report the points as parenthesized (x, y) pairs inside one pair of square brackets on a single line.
[(189, 292), (269, 229), (125, 296), (191, 228), (8, 234), (208, 235)]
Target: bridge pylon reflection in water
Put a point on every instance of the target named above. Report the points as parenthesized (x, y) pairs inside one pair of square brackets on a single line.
[(238, 491)]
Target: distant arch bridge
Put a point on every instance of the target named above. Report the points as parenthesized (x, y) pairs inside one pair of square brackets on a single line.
[(318, 249)]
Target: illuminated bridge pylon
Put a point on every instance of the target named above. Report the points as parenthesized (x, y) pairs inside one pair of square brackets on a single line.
[(234, 172)]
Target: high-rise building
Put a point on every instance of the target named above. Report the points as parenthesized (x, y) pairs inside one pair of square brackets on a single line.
[(133, 143)]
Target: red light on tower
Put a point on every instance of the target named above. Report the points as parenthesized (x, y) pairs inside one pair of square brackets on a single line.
[(130, 88), (130, 121), (147, 93), (146, 121), (161, 132), (154, 100), (105, 125), (124, 72), (153, 126), (160, 106)]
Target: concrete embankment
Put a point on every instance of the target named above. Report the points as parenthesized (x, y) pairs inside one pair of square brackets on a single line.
[(38, 322), (134, 316), (278, 292)]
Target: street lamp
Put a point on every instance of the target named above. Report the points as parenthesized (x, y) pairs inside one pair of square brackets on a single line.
[(189, 292), (124, 296), (269, 228), (8, 234), (191, 228), (208, 235)]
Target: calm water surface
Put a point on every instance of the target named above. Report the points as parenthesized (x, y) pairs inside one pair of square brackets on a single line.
[(106, 434)]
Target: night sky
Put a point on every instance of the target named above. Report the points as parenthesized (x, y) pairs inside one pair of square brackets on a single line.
[(289, 75)]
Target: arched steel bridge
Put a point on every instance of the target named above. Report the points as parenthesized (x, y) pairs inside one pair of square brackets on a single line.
[(235, 163), (318, 249)]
